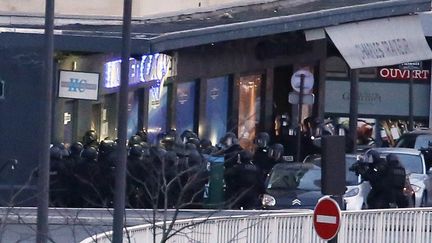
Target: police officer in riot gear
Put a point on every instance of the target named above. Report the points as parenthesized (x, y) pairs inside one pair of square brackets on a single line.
[(260, 156), (87, 176), (206, 146), (275, 153), (231, 149), (386, 177), (248, 184), (90, 138), (396, 179)]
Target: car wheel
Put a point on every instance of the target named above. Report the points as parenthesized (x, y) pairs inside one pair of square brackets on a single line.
[(424, 200)]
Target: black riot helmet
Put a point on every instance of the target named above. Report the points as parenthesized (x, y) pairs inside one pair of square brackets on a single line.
[(186, 135), (143, 135), (228, 140), (276, 151), (55, 153), (76, 148), (168, 141), (136, 151), (262, 139), (134, 139), (90, 138), (107, 146)]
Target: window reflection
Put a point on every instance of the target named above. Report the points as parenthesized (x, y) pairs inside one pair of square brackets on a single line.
[(249, 109)]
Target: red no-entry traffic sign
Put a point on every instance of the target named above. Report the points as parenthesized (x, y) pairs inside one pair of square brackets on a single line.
[(326, 218)]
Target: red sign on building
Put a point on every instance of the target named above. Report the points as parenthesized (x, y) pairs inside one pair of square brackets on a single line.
[(326, 218)]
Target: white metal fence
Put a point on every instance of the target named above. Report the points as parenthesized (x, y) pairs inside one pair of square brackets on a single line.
[(368, 226)]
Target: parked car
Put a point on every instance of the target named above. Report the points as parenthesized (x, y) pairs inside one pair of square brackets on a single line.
[(282, 193), (298, 185), (415, 166), (419, 139)]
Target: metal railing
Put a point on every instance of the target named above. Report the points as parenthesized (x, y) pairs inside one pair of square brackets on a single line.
[(368, 226)]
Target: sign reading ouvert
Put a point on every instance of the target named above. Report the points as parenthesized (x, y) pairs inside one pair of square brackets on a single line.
[(381, 42)]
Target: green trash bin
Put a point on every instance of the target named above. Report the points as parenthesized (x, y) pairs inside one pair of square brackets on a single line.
[(214, 189)]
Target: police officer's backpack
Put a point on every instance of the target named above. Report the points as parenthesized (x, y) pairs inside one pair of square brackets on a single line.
[(397, 174)]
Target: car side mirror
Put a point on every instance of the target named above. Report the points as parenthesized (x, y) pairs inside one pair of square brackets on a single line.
[(429, 171)]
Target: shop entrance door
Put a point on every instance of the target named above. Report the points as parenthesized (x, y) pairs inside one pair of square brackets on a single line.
[(249, 109)]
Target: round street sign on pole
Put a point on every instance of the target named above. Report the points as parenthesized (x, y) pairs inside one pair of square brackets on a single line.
[(326, 218), (308, 81)]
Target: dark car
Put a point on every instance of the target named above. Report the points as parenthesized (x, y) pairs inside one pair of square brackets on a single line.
[(298, 185), (293, 185), (307, 191)]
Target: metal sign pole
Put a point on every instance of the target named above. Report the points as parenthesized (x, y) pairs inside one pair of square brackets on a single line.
[(411, 102), (300, 105), (353, 109), (44, 158), (120, 170)]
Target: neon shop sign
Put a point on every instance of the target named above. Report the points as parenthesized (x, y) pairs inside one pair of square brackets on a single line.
[(156, 67)]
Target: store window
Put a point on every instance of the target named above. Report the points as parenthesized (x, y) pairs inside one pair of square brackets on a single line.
[(185, 106), (214, 124), (157, 112), (249, 109), (133, 104)]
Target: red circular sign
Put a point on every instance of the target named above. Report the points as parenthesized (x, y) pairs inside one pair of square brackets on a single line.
[(326, 218)]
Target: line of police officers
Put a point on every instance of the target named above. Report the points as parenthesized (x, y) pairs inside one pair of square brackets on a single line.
[(173, 172), (169, 174)]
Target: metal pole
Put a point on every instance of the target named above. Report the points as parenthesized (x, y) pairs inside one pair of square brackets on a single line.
[(120, 179), (411, 102), (300, 105), (339, 200), (44, 157), (353, 109)]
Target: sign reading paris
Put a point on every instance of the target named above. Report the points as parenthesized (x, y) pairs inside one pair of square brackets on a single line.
[(78, 85)]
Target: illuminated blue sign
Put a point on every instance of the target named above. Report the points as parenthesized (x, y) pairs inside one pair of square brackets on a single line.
[(150, 68)]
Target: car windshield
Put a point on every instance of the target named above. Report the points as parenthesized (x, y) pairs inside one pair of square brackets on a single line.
[(304, 177), (406, 141), (351, 178), (414, 141)]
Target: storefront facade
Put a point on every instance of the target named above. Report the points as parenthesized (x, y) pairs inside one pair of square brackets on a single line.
[(231, 72)]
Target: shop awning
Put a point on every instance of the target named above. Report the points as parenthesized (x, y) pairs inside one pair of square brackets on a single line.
[(201, 27), (381, 42)]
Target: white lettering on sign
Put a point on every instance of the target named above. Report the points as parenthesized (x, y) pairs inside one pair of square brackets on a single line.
[(383, 49), (381, 42), (325, 219), (395, 73)]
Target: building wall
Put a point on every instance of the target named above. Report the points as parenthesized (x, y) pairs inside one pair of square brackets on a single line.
[(22, 121), (115, 7)]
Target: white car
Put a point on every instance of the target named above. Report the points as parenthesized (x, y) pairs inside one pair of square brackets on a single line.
[(415, 166)]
